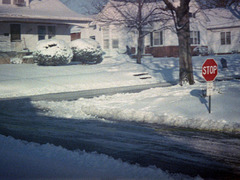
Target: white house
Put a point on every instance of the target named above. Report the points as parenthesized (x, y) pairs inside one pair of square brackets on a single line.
[(223, 30), (218, 30), (24, 22)]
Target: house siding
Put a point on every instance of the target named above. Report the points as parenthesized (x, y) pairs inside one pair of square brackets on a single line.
[(164, 51), (167, 51), (75, 36), (29, 36), (214, 41)]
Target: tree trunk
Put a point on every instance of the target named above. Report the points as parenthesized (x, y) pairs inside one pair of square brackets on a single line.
[(185, 55), (140, 47), (185, 58)]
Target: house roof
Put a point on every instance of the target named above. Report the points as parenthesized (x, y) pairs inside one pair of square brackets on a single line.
[(220, 18), (44, 10)]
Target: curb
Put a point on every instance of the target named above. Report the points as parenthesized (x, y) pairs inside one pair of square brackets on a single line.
[(71, 96)]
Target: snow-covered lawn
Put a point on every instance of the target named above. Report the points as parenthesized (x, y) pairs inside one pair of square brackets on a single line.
[(26, 79)]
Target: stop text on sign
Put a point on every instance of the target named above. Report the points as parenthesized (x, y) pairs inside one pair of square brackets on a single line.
[(209, 70)]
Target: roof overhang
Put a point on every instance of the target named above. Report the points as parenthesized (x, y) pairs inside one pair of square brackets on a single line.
[(82, 22)]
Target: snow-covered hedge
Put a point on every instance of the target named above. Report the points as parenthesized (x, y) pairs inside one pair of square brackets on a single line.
[(86, 51), (52, 52)]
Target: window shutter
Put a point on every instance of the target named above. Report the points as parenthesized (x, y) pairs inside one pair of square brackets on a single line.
[(161, 37), (151, 38), (199, 40)]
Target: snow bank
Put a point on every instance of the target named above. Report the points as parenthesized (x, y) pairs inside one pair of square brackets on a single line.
[(53, 52), (20, 159), (174, 106)]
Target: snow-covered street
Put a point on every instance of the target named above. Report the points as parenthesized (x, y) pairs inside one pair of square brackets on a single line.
[(95, 141), (156, 132)]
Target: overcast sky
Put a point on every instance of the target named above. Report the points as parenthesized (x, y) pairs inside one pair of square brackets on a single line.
[(79, 6)]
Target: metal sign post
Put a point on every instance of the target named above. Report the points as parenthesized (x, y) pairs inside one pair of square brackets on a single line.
[(209, 72), (209, 93)]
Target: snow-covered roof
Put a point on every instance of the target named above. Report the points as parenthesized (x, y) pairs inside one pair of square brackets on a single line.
[(221, 18), (42, 10)]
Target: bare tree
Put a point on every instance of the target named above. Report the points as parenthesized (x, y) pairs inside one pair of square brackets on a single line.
[(232, 5), (217, 3), (181, 20), (134, 15)]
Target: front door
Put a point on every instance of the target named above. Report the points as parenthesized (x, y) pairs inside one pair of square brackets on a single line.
[(15, 30)]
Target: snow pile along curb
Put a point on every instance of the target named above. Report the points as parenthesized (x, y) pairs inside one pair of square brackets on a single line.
[(48, 161), (173, 106)]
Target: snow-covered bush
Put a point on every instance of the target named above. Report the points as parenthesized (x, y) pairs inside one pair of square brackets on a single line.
[(16, 60), (52, 52), (86, 51)]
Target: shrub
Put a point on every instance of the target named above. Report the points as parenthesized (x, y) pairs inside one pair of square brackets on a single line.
[(52, 52), (86, 51)]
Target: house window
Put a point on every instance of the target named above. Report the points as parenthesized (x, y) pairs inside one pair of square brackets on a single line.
[(46, 30), (15, 30), (225, 38), (157, 38), (93, 37), (6, 1), (106, 38), (51, 32), (41, 32), (195, 37), (115, 43), (19, 2), (106, 44)]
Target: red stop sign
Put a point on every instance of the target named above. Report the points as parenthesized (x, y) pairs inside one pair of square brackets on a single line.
[(209, 70)]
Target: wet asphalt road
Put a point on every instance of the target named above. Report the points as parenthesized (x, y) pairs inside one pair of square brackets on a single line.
[(177, 150)]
